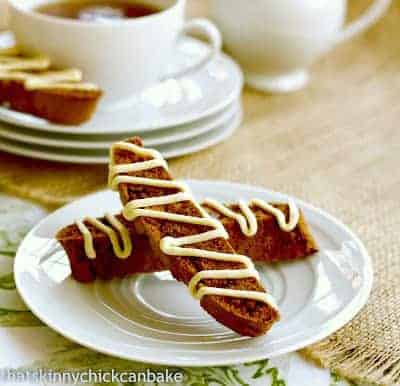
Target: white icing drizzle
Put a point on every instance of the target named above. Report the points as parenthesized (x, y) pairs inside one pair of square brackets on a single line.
[(47, 78), (178, 246), (84, 86), (17, 63), (247, 220), (87, 239), (111, 232), (16, 69)]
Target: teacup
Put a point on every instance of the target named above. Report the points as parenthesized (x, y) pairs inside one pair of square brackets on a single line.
[(275, 41), (122, 56)]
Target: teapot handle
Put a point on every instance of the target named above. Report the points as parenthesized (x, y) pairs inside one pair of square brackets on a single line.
[(369, 17)]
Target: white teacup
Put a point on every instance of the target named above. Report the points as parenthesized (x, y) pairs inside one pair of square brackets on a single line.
[(275, 41), (122, 56)]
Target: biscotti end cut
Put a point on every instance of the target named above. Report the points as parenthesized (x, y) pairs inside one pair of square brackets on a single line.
[(68, 107), (31, 86), (270, 244), (106, 265)]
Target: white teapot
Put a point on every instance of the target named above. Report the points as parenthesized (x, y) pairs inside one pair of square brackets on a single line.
[(275, 41)]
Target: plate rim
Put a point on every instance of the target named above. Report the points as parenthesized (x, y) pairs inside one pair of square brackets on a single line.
[(341, 319), (219, 134), (10, 132), (229, 129)]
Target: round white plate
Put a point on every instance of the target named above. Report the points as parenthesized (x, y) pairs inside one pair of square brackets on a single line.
[(151, 318), (83, 156), (171, 103), (154, 138)]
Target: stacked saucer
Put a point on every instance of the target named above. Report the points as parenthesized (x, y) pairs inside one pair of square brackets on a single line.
[(176, 116)]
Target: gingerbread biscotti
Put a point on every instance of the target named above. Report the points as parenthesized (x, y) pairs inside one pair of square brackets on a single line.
[(272, 240), (189, 241), (269, 243), (30, 85), (101, 256)]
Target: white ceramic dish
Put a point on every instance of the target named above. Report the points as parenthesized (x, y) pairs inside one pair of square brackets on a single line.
[(154, 138), (151, 318), (83, 156), (172, 103), (275, 42)]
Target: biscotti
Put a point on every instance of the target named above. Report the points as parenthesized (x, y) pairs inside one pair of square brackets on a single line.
[(269, 244), (106, 265), (189, 241), (30, 85)]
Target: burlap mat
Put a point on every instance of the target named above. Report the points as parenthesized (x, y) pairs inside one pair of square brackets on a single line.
[(337, 145)]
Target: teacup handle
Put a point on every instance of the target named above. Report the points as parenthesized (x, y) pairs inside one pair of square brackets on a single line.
[(207, 29), (369, 17)]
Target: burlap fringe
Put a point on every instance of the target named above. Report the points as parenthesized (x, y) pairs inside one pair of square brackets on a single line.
[(359, 364)]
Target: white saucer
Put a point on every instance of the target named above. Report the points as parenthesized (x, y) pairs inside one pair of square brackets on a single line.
[(172, 103), (154, 138), (202, 142), (151, 318), (83, 156)]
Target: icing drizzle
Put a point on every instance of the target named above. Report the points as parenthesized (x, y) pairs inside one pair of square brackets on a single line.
[(247, 220), (116, 232), (17, 63), (178, 246), (16, 68)]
